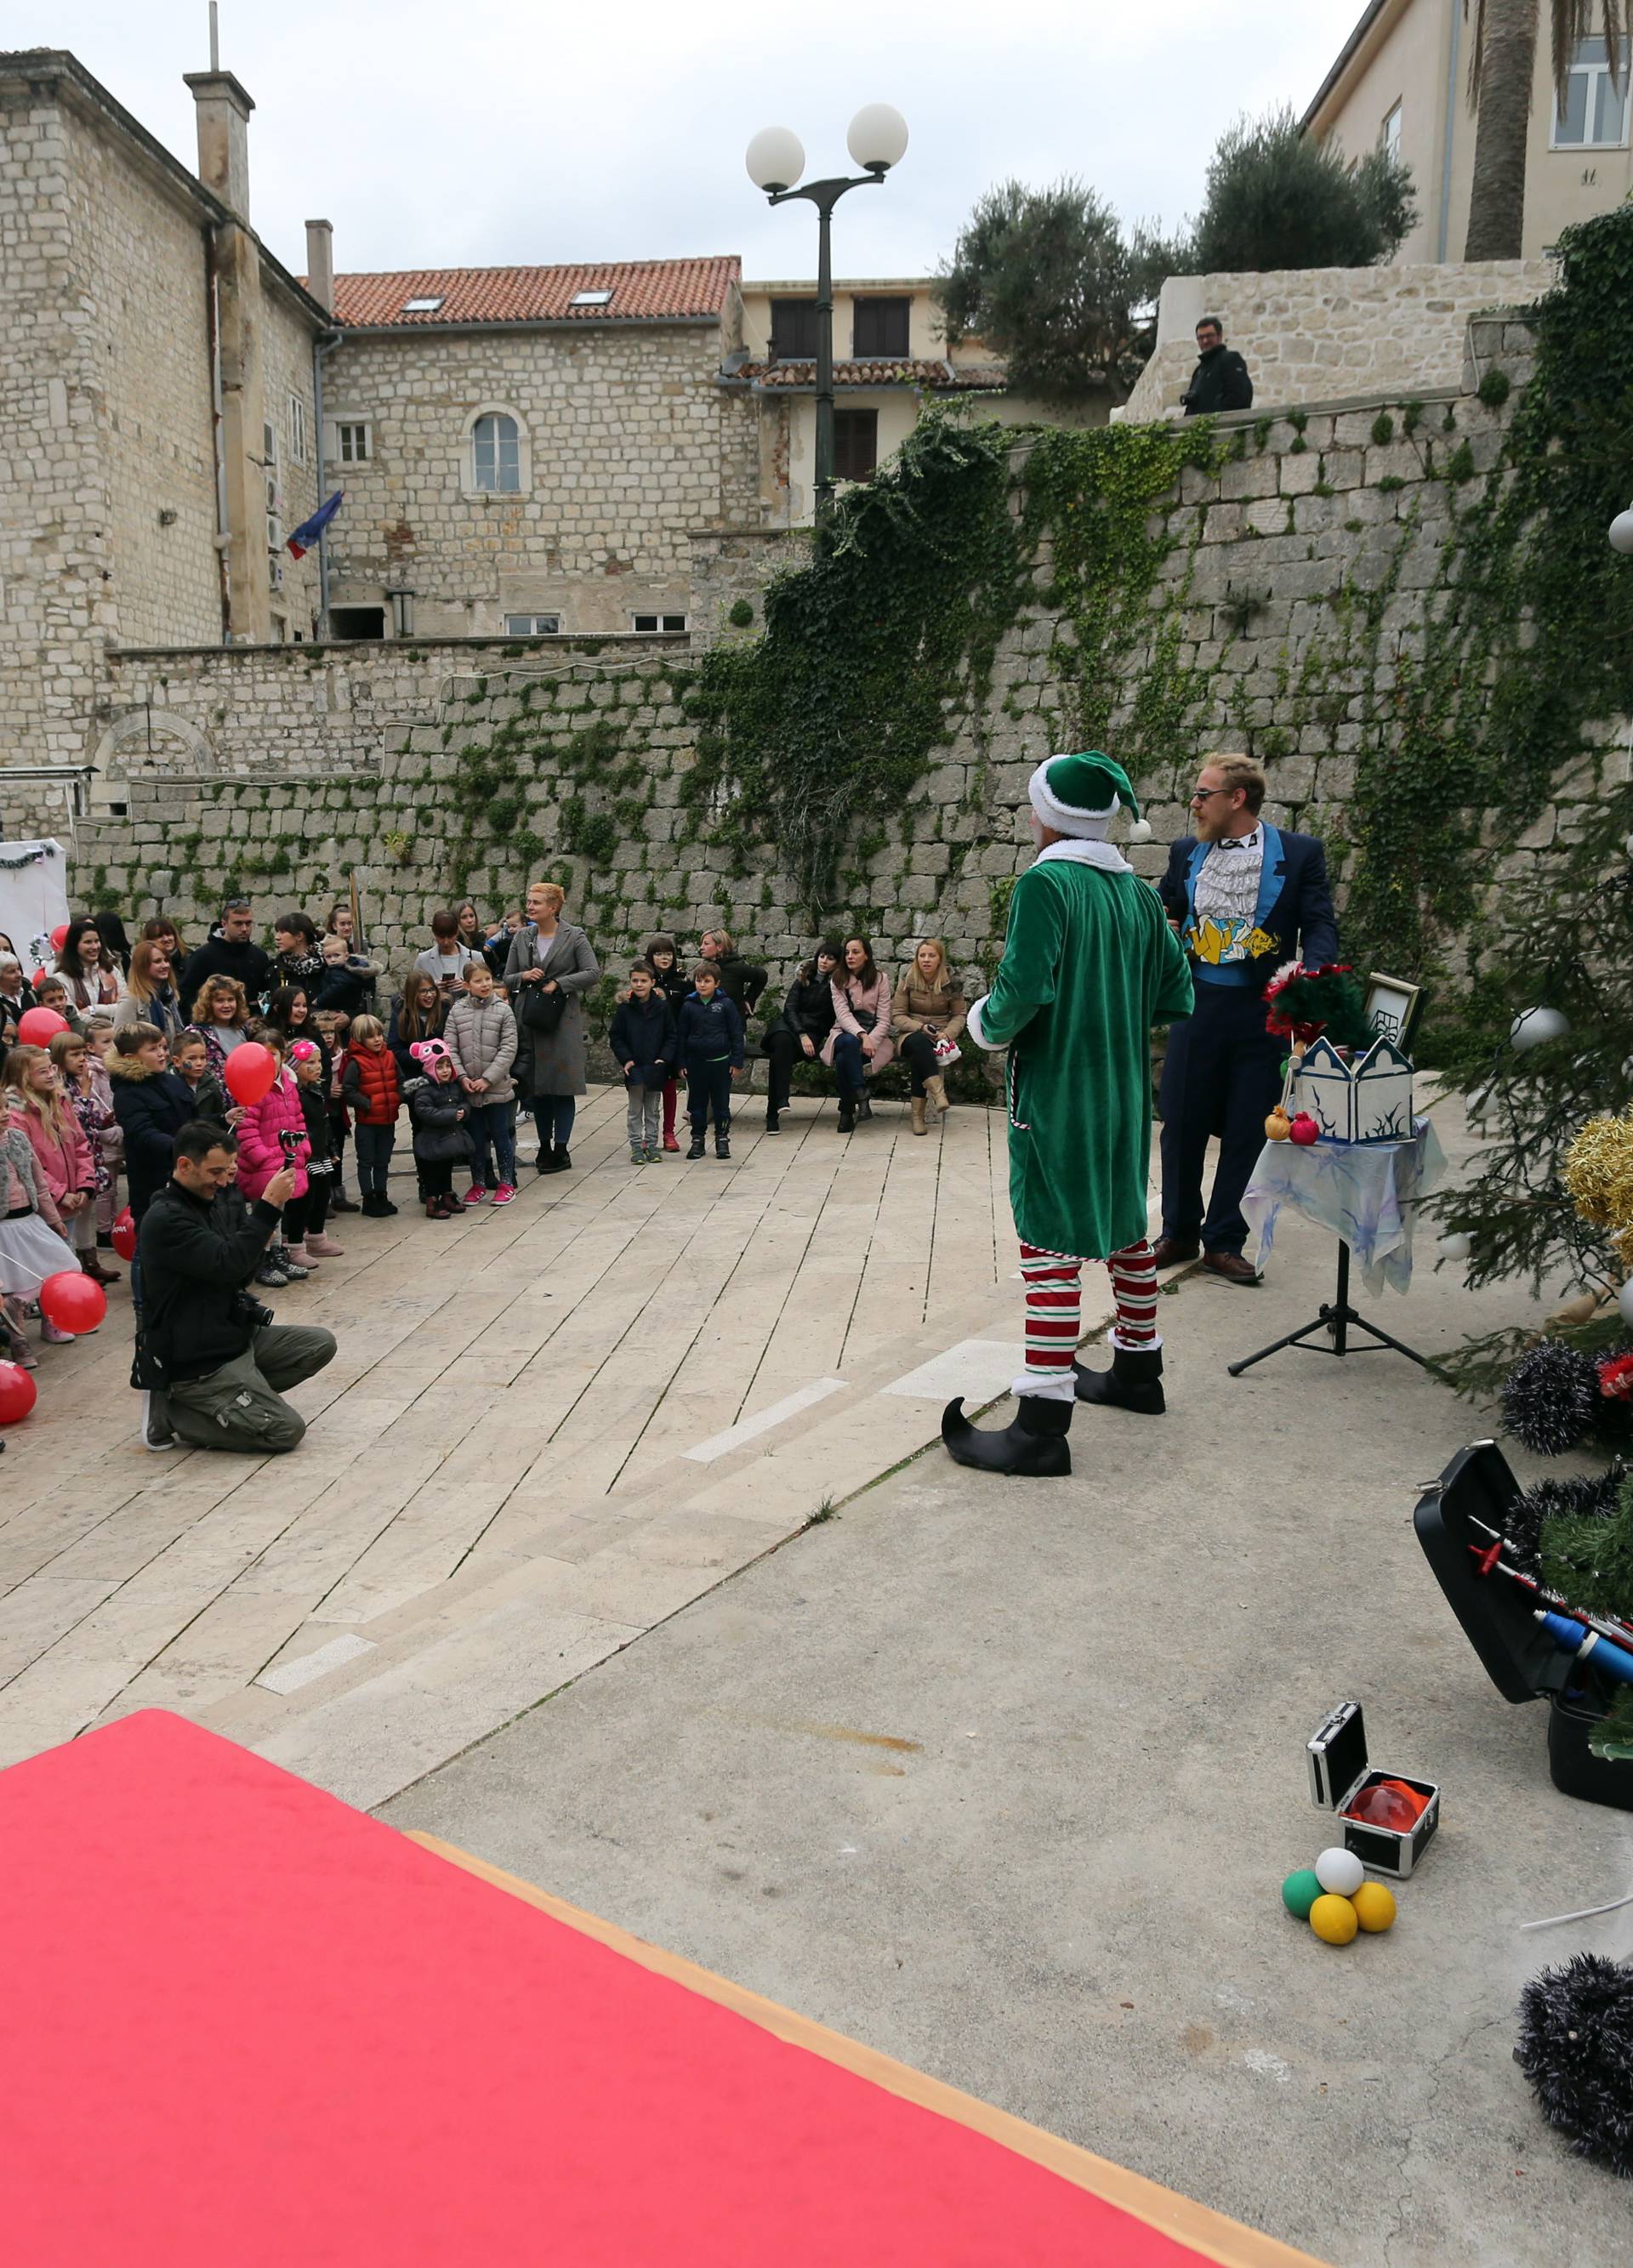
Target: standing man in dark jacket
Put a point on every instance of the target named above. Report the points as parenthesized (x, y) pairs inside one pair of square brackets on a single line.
[(1220, 381), (1245, 896), (229, 951), (214, 1364)]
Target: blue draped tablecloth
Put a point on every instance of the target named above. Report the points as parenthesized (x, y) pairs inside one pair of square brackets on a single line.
[(1364, 1192)]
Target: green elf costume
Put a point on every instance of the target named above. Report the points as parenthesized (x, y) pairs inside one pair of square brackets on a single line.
[(1089, 964)]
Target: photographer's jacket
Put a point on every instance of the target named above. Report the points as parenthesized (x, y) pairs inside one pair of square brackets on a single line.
[(198, 1255)]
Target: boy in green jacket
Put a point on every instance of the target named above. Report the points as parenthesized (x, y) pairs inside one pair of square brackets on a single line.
[(1089, 964)]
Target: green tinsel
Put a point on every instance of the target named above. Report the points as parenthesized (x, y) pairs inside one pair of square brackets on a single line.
[(1591, 1561)]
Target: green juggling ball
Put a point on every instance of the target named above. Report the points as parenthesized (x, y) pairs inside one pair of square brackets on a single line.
[(1299, 1893)]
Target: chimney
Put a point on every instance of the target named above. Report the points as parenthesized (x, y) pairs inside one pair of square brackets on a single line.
[(223, 111), (321, 263)]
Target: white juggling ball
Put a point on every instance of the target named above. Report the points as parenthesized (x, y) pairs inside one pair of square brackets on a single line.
[(1340, 1872)]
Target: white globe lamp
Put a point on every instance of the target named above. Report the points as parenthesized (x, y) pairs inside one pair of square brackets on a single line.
[(1621, 531), (1535, 1027), (878, 138), (775, 160)]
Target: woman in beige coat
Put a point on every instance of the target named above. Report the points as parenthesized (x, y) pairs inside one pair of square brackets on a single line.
[(927, 1006)]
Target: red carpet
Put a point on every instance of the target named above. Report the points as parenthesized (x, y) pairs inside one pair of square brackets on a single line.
[(242, 2023)]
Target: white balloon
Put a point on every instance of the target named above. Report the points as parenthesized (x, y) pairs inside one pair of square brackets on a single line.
[(1625, 1302), (1456, 1246), (1534, 1027), (1141, 831), (1341, 1871)]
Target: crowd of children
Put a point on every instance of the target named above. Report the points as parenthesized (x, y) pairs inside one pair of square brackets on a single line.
[(148, 1032)]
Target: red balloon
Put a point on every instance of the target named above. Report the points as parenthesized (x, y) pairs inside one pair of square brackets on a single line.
[(37, 1027), (59, 937), (18, 1391), (72, 1302), (250, 1072), (39, 977), (125, 1235)]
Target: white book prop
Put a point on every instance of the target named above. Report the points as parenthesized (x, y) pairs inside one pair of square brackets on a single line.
[(1367, 1100)]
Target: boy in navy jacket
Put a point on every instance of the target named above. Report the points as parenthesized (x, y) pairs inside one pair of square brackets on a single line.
[(709, 1041), (642, 1037)]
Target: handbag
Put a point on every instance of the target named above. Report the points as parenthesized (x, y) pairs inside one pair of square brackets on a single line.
[(947, 1052), (540, 1010)]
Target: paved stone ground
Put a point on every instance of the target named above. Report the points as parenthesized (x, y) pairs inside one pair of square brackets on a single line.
[(1003, 1779), (530, 1424)]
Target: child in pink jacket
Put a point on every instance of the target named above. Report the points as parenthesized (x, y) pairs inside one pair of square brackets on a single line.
[(260, 1154), (63, 1165)]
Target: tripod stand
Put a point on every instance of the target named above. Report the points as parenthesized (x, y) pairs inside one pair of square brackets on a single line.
[(1338, 1318)]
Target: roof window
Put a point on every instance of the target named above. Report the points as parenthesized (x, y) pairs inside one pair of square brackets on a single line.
[(421, 306), (590, 299)]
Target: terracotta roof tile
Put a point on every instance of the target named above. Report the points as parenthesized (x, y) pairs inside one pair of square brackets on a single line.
[(649, 290), (937, 377)]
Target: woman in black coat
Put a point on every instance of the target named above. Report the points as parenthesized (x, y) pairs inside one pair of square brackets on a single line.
[(798, 1034)]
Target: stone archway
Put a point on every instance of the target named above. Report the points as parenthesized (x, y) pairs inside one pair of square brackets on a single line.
[(145, 743)]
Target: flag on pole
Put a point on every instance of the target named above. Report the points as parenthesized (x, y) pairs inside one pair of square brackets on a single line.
[(309, 530)]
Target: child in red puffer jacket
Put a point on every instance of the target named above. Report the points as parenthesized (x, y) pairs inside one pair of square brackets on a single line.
[(263, 1151)]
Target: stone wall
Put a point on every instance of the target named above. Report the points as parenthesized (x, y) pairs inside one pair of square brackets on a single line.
[(53, 498), (629, 447), (1312, 334), (734, 569), (435, 772)]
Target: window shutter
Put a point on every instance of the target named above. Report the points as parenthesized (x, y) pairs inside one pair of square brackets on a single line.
[(855, 443), (793, 330), (880, 329)]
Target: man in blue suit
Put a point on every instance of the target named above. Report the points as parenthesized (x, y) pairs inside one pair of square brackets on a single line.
[(1245, 897)]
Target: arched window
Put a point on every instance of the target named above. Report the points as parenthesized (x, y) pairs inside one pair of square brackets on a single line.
[(496, 455)]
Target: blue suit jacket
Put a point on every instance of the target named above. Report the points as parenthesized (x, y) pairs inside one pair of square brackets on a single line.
[(1295, 897)]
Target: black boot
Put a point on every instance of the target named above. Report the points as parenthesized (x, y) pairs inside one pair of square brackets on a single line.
[(1134, 1382), (696, 1150), (772, 1127), (847, 1111), (543, 1162), (722, 1145), (1034, 1447), (563, 1159), (339, 1202)]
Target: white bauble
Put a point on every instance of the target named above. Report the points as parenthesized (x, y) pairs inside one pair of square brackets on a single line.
[(1456, 1246), (1536, 1026), (1621, 531), (1479, 1103), (1341, 1871), (1625, 1301)]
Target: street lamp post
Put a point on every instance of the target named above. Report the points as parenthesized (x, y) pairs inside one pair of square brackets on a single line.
[(775, 158)]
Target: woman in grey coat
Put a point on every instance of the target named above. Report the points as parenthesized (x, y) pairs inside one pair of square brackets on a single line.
[(549, 955)]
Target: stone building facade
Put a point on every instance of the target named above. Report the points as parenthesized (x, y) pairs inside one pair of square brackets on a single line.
[(530, 450), (124, 423)]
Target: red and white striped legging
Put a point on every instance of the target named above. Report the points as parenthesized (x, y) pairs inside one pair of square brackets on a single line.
[(1054, 1312)]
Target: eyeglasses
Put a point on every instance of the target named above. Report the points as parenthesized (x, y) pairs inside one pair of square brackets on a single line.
[(1201, 795)]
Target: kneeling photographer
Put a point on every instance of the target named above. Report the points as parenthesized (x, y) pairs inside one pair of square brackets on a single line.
[(213, 1363)]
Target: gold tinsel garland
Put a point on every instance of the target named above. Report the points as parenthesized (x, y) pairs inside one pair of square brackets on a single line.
[(1598, 1172)]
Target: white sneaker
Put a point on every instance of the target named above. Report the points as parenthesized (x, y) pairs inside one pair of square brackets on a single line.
[(156, 1434)]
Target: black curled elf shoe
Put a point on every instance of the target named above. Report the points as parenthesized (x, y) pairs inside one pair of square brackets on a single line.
[(1033, 1446)]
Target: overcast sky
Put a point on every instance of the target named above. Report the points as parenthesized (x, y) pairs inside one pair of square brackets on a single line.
[(434, 135)]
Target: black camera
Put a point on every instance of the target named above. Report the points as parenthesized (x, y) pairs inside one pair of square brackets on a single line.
[(289, 1142), (251, 1313)]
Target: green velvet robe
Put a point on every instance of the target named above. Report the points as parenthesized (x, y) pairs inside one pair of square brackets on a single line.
[(1089, 964)]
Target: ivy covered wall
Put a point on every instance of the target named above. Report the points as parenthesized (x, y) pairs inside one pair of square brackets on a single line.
[(1405, 608)]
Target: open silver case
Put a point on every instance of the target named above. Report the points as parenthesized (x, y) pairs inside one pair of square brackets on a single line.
[(1339, 1772)]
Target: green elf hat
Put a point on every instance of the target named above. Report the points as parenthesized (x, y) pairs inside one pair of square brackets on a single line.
[(1079, 795)]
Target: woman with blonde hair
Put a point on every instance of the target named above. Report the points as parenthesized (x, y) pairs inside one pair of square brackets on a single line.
[(151, 995), (221, 1017), (550, 965), (927, 1008)]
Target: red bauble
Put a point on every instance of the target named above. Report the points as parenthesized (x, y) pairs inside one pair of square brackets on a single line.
[(59, 937), (17, 1392), (1303, 1130), (37, 1027), (72, 1302), (125, 1235), (250, 1072)]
